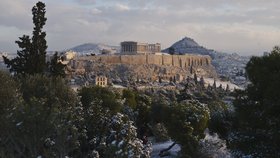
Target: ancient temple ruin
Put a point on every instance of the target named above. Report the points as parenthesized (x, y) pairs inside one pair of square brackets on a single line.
[(131, 47)]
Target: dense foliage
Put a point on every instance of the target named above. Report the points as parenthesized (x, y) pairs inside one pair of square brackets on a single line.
[(42, 116), (186, 123), (258, 107), (105, 96)]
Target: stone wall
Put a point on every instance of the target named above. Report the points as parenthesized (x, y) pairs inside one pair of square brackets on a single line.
[(166, 60)]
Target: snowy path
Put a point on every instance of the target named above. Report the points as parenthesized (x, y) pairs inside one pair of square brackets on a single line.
[(157, 147)]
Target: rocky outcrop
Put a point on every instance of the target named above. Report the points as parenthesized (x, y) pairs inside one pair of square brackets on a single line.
[(142, 67)]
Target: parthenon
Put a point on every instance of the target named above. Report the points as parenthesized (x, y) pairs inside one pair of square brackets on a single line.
[(131, 47)]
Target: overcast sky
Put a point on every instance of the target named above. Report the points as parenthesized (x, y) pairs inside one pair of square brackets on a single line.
[(243, 26)]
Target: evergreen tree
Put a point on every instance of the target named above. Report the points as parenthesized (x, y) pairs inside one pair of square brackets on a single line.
[(221, 87), (195, 78), (8, 92), (170, 79), (106, 96), (202, 82), (227, 88), (56, 67), (171, 50), (129, 97), (40, 119), (209, 87), (214, 84), (258, 108), (31, 58), (185, 123)]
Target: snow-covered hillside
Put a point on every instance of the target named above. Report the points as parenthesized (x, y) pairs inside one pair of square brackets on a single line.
[(210, 81), (93, 48), (188, 46), (229, 66)]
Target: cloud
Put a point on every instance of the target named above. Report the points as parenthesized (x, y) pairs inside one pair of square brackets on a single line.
[(86, 2), (121, 7), (250, 26), (15, 14)]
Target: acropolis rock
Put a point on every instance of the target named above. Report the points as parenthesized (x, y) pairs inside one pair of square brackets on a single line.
[(149, 67)]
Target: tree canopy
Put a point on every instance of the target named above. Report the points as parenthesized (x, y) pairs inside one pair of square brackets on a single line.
[(31, 58), (258, 108)]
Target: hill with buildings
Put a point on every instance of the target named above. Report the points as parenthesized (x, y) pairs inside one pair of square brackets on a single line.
[(147, 68), (228, 66)]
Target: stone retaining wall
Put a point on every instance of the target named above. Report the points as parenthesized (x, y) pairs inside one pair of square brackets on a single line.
[(166, 60)]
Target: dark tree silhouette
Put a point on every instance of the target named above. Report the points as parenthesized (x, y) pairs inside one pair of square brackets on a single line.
[(171, 50), (258, 108), (56, 67), (195, 78), (31, 58)]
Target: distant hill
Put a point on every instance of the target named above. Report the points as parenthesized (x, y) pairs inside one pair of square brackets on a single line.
[(189, 46), (93, 48), (228, 66)]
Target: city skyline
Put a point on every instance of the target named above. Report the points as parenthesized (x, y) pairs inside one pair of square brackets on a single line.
[(246, 27)]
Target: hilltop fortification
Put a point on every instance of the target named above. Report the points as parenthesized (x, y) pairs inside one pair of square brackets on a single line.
[(182, 61), (149, 67)]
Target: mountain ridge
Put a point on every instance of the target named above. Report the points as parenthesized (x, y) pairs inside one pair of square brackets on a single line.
[(94, 48)]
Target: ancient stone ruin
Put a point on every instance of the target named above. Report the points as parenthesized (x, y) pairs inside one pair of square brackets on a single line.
[(143, 67)]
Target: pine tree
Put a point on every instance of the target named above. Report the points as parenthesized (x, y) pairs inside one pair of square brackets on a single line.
[(221, 87), (195, 78), (191, 70), (258, 108), (170, 79), (202, 82), (31, 58), (214, 84), (209, 87), (227, 88)]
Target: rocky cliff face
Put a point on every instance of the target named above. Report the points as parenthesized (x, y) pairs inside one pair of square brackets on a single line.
[(142, 67)]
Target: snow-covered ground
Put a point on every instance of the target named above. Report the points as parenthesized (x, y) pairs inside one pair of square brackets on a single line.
[(157, 147), (211, 146), (224, 83)]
